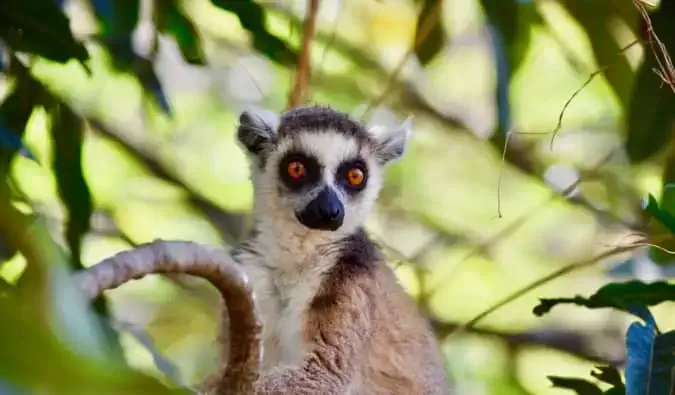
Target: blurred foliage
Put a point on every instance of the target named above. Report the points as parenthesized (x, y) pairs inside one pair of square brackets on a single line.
[(86, 174)]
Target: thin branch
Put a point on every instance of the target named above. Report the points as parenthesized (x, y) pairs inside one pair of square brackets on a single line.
[(304, 59), (543, 280), (244, 352), (666, 71), (570, 342)]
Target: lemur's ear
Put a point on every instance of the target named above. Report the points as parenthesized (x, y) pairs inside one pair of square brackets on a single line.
[(391, 141), (257, 129)]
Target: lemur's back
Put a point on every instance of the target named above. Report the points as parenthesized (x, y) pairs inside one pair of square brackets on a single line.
[(404, 357)]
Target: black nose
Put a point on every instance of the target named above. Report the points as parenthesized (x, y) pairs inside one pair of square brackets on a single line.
[(325, 212)]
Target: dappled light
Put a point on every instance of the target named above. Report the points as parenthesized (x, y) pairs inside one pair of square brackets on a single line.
[(531, 217)]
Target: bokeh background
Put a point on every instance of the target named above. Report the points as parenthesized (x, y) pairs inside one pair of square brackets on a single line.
[(465, 218)]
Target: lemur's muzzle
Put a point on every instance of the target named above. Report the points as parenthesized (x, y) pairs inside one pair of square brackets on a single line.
[(325, 212)]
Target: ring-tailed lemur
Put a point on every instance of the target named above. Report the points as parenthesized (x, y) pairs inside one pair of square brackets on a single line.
[(335, 320)]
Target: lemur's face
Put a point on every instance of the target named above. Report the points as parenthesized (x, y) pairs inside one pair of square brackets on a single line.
[(321, 168)]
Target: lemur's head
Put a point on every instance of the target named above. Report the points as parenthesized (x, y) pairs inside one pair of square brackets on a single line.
[(316, 167)]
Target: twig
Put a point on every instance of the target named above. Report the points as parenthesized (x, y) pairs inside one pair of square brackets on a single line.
[(666, 70), (549, 277), (583, 86), (304, 61), (244, 352)]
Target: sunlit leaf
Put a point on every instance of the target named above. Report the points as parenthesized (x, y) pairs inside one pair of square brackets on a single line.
[(622, 296), (171, 20), (580, 386), (39, 27), (650, 114), (252, 18), (431, 41), (651, 360)]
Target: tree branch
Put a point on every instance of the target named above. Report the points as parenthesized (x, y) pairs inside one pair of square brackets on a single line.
[(304, 59), (229, 225)]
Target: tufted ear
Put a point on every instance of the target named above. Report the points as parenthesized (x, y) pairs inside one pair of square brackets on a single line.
[(257, 129), (391, 141)]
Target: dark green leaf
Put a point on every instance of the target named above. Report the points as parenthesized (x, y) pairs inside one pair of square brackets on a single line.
[(580, 386), (15, 111), (663, 216), (650, 114), (41, 28), (171, 20), (9, 139), (252, 18), (117, 18), (615, 391), (3, 64), (651, 360), (430, 37), (609, 375), (67, 135), (623, 296), (510, 25), (145, 73)]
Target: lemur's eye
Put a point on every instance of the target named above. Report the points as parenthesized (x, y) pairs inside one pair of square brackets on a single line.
[(296, 170), (355, 176)]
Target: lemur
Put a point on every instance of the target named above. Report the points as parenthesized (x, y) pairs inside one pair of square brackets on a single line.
[(335, 319)]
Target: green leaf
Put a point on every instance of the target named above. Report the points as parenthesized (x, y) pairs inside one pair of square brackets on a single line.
[(253, 18), (651, 360), (171, 20), (650, 114), (67, 130), (39, 27), (580, 386), (34, 358), (622, 296), (434, 39)]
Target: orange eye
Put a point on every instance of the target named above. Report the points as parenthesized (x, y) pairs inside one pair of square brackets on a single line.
[(296, 169), (355, 176)]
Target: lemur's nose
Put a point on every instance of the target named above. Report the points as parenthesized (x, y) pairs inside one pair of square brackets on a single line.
[(325, 212)]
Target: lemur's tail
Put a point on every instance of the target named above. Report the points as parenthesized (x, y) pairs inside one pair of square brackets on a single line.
[(211, 264)]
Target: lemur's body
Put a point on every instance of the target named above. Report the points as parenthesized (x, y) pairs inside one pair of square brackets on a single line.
[(335, 320)]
